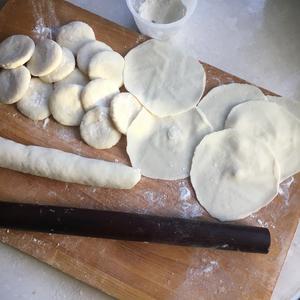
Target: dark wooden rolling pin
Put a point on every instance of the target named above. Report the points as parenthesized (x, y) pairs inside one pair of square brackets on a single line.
[(133, 227)]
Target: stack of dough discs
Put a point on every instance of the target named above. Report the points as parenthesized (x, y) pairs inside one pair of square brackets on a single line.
[(15, 51), (13, 84), (35, 103), (163, 147), (164, 80), (233, 174), (217, 104), (97, 129), (75, 77), (275, 126), (292, 106)]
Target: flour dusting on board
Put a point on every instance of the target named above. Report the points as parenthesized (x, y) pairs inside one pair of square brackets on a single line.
[(284, 189)]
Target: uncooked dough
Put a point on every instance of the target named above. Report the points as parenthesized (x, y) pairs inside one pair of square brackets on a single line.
[(97, 129), (34, 104), (233, 174), (67, 167), (98, 92), (65, 104), (87, 51), (107, 65), (65, 68), (164, 80), (163, 147), (217, 104), (74, 35), (124, 107), (15, 51), (45, 59), (292, 106), (274, 125), (13, 84), (76, 77)]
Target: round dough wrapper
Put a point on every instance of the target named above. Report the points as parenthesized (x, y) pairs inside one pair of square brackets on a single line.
[(65, 68), (15, 51), (45, 59), (273, 124), (76, 77), (233, 174), (292, 106), (98, 92), (74, 35), (163, 147), (13, 84), (65, 104), (164, 80), (124, 107), (87, 51), (217, 104), (97, 129), (35, 103), (107, 65)]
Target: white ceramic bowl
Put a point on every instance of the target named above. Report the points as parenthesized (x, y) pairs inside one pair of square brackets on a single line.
[(160, 31)]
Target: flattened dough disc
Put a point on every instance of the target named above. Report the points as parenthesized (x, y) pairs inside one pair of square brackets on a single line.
[(76, 77)]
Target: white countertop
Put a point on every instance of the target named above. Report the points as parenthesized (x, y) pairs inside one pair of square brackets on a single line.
[(258, 40)]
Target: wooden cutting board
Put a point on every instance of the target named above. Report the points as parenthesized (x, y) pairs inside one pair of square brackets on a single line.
[(130, 270)]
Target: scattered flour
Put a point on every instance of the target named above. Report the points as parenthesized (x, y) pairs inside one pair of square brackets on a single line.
[(46, 122), (284, 189)]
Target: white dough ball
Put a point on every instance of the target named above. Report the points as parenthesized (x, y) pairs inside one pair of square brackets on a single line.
[(75, 77)]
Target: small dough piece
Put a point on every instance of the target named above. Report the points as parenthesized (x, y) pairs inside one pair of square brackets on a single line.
[(67, 167), (13, 84), (164, 80), (65, 104), (273, 124), (98, 92), (45, 59), (76, 77), (292, 106), (35, 103), (97, 129), (107, 65), (233, 174), (124, 108), (74, 35), (217, 104), (15, 51), (163, 147), (87, 51), (65, 68)]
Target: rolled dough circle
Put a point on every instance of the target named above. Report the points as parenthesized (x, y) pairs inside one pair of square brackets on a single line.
[(164, 80), (74, 35), (97, 129), (75, 77), (98, 92), (293, 106), (45, 59), (13, 84), (87, 51), (233, 174), (163, 147), (15, 51), (107, 65), (65, 104), (65, 68), (35, 103)]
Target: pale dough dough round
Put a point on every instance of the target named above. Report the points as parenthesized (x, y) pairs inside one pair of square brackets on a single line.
[(13, 84), (163, 147), (164, 80), (107, 65), (97, 129), (65, 68), (87, 51), (274, 125), (233, 174), (45, 59), (65, 104), (35, 103), (74, 35), (98, 92), (292, 106), (124, 107), (15, 51), (76, 77), (217, 104)]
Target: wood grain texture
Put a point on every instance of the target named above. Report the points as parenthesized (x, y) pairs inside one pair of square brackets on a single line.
[(131, 270)]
